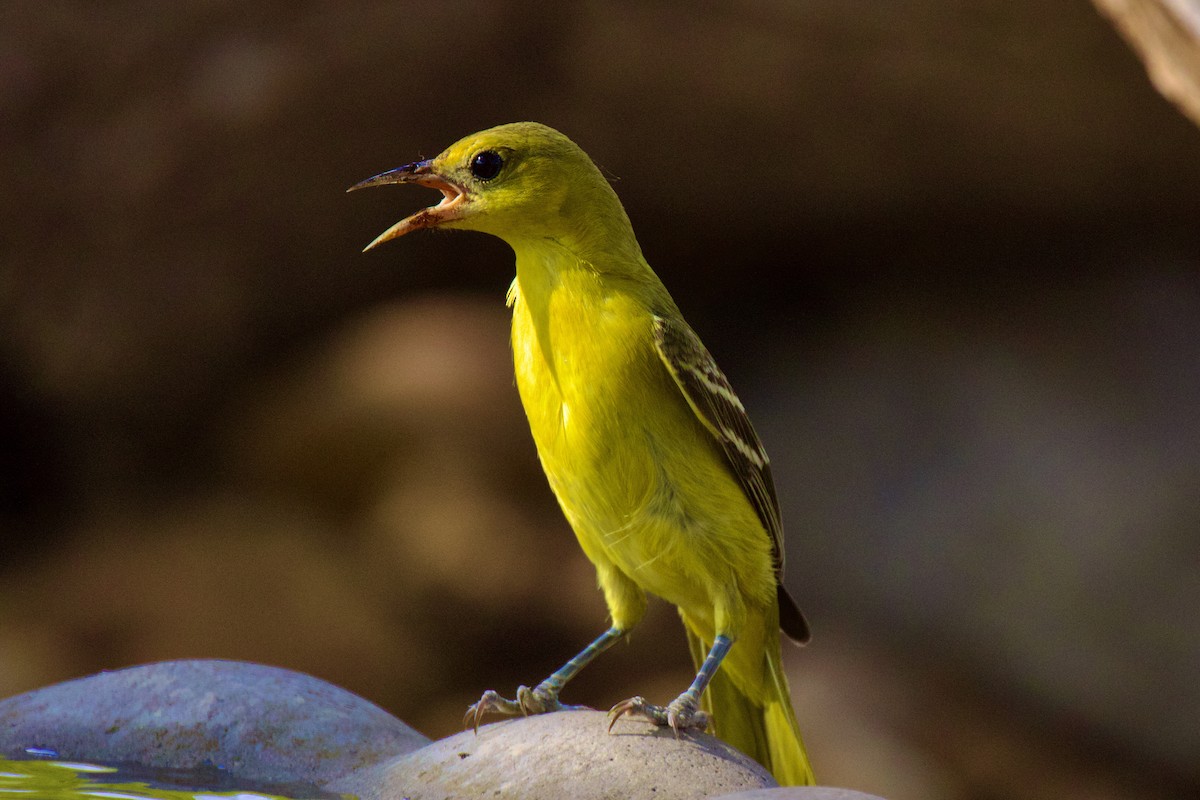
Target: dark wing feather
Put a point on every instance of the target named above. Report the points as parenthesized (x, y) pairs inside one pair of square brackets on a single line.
[(713, 400)]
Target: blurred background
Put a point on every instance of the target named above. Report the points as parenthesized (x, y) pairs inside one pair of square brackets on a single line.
[(947, 253)]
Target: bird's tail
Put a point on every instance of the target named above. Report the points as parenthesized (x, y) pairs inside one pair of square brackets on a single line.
[(759, 723)]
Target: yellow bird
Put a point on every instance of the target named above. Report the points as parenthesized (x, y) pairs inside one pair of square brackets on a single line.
[(647, 448)]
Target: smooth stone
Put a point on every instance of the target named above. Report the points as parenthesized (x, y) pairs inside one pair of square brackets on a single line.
[(246, 722), (564, 754), (799, 793)]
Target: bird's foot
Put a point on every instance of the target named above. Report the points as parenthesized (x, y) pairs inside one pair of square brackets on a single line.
[(683, 713), (542, 699)]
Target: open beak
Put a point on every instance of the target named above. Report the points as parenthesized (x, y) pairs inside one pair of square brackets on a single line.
[(420, 172)]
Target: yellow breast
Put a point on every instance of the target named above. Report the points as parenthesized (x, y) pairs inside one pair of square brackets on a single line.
[(583, 358), (637, 475)]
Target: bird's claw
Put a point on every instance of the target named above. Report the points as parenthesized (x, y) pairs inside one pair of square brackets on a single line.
[(490, 703), (541, 699), (680, 715)]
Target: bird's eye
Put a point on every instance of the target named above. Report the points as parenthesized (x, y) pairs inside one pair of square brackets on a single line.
[(486, 165)]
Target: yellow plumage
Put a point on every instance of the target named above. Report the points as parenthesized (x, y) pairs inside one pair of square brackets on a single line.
[(645, 445)]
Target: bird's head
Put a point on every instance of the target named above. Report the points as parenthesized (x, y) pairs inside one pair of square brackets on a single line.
[(521, 182)]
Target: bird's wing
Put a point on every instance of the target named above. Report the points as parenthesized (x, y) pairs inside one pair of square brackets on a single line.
[(712, 399)]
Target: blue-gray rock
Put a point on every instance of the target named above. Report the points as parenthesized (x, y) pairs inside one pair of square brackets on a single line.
[(565, 754), (247, 722), (252, 726), (799, 793)]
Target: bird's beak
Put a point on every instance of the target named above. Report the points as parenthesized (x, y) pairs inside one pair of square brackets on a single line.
[(422, 173)]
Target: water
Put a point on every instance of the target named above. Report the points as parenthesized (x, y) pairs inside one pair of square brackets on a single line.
[(48, 779)]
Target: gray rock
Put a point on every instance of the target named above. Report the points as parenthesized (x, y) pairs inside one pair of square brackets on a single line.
[(248, 722), (799, 793), (566, 754)]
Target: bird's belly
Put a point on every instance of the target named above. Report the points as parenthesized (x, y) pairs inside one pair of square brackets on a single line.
[(642, 483), (623, 490)]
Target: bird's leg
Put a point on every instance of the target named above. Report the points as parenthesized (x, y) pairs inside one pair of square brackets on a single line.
[(542, 698), (684, 711)]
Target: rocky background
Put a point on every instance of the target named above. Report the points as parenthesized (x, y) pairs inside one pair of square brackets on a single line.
[(947, 252)]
